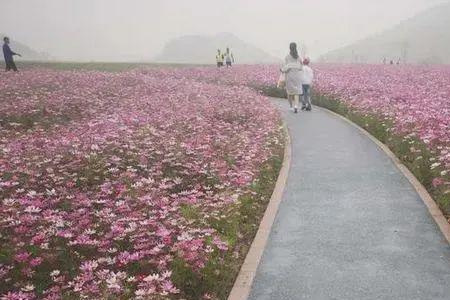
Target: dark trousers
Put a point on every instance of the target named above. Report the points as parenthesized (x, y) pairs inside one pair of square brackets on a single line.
[(10, 65)]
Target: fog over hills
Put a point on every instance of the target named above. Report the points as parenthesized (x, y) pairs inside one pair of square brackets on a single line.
[(202, 49), (424, 38), (27, 52)]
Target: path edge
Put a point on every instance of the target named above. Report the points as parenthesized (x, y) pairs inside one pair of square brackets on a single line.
[(429, 202), (243, 284)]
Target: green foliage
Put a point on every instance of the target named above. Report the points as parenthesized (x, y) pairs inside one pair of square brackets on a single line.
[(189, 212), (272, 91)]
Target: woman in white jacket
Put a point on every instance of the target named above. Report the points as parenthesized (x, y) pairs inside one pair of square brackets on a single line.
[(293, 71)]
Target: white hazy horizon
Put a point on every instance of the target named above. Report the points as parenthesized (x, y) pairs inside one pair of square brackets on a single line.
[(137, 30)]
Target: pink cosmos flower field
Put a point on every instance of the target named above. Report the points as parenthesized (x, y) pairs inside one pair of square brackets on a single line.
[(98, 170)]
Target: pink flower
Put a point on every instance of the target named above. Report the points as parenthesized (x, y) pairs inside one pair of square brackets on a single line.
[(22, 257), (36, 261), (17, 296), (221, 245), (437, 182)]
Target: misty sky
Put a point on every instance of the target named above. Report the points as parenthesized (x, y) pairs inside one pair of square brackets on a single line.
[(138, 29)]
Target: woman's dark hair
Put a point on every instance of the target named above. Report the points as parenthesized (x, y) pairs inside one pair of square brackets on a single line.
[(293, 50)]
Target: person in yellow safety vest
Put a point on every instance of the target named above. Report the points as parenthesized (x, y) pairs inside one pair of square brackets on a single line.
[(219, 58)]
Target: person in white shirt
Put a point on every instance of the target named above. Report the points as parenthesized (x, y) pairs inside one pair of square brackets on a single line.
[(307, 81), (229, 57), (293, 69)]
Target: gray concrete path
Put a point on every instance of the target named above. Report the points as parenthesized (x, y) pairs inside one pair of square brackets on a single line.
[(351, 226)]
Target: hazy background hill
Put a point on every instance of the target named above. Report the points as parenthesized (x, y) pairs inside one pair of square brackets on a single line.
[(27, 52), (424, 38), (202, 49)]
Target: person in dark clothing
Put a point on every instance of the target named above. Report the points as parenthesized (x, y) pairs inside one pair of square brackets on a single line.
[(9, 55)]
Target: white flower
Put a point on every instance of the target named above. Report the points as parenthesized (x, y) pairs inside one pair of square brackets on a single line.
[(31, 194), (112, 283), (137, 184), (140, 293), (120, 203), (131, 169), (113, 170), (152, 277), (28, 288), (55, 273), (167, 274), (148, 181), (435, 165), (184, 237), (51, 192), (110, 260), (89, 265), (89, 231), (131, 227), (33, 209), (9, 202)]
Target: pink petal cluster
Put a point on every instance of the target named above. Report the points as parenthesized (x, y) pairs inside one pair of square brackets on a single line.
[(95, 169)]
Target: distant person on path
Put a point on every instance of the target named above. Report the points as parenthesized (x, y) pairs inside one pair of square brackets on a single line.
[(9, 55), (229, 58), (307, 81), (293, 69), (219, 58)]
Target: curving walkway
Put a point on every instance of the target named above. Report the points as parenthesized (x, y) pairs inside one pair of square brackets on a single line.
[(350, 226)]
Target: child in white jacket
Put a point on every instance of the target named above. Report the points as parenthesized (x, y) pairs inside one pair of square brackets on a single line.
[(307, 81)]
